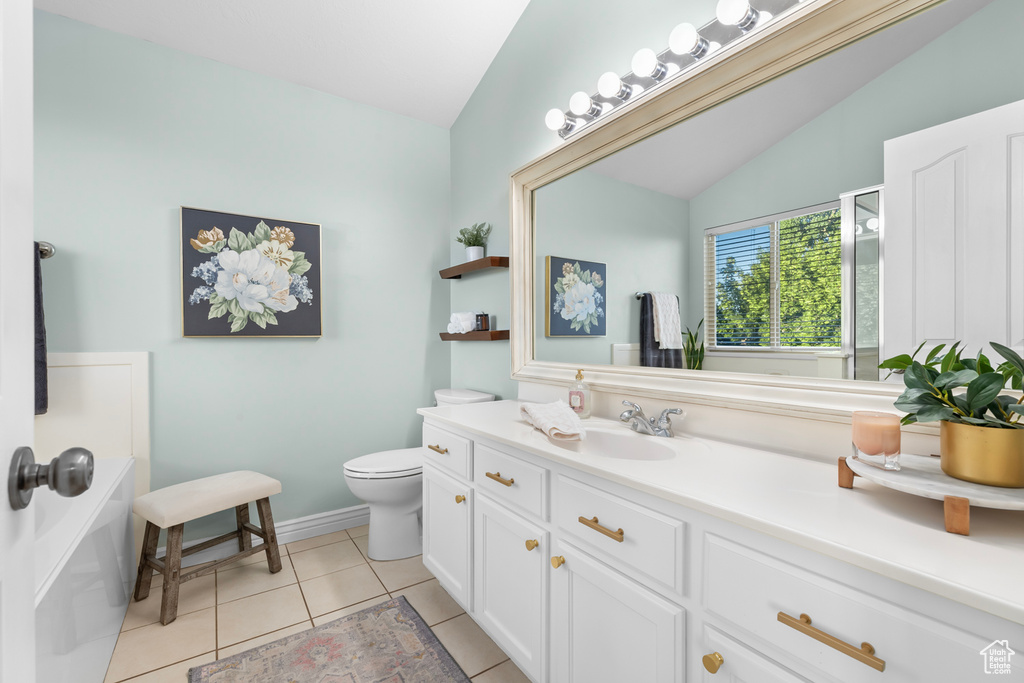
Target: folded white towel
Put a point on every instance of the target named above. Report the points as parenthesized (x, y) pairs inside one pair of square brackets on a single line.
[(454, 328), (557, 420), (667, 327)]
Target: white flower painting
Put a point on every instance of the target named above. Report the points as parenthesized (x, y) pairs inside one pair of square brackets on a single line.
[(575, 298), (256, 282)]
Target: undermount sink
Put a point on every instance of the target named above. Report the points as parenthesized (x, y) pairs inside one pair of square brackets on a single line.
[(623, 444)]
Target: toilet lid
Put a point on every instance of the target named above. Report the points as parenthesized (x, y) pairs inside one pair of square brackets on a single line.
[(403, 462)]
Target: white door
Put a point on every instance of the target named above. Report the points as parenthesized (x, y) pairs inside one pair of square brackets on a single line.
[(17, 530), (606, 628), (510, 599), (954, 234)]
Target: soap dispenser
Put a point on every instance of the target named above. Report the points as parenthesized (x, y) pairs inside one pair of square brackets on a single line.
[(579, 396)]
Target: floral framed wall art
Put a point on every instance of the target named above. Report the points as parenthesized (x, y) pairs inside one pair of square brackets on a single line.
[(574, 298), (247, 276)]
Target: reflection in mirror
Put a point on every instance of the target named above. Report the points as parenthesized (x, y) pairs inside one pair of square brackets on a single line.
[(776, 176)]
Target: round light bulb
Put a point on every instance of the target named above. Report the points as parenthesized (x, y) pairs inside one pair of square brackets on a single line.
[(738, 13), (645, 62), (683, 39), (732, 12), (555, 120), (872, 224), (580, 103), (610, 85)]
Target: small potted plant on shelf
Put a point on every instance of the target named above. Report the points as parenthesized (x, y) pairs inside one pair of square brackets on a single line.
[(474, 238), (981, 432)]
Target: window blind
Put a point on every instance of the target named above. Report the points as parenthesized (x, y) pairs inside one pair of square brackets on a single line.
[(775, 284)]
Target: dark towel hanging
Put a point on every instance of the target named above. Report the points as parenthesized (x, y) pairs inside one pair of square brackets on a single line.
[(651, 356), (42, 395)]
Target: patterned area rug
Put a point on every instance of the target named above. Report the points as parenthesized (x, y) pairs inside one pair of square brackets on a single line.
[(386, 643)]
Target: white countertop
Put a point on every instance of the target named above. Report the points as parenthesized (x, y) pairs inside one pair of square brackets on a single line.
[(798, 500)]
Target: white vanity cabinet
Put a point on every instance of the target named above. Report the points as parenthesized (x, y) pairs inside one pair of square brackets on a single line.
[(583, 579)]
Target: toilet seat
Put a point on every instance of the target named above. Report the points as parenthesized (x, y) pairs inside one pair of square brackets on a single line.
[(404, 462)]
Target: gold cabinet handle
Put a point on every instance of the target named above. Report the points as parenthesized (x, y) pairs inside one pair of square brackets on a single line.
[(557, 561), (531, 544), (496, 476), (864, 654), (591, 523), (437, 449), (713, 662), (460, 499)]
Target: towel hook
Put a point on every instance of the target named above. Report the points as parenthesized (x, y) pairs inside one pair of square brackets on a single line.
[(46, 250)]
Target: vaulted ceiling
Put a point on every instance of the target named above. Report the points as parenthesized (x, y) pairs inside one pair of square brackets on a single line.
[(422, 59)]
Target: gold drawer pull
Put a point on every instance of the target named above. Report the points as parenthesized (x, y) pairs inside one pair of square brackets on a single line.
[(531, 544), (864, 654), (437, 449), (713, 662), (460, 499), (619, 535), (557, 561), (496, 476)]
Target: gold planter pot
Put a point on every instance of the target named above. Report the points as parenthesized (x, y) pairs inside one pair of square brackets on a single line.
[(984, 455)]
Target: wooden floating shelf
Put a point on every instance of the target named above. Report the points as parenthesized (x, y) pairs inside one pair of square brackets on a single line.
[(456, 272), (488, 335)]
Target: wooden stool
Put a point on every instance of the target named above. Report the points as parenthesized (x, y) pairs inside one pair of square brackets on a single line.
[(169, 508)]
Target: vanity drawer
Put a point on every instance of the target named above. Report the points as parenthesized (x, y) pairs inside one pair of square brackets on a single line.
[(751, 589), (528, 490), (651, 543), (448, 450)]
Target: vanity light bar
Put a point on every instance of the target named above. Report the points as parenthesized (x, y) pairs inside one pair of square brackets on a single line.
[(687, 45)]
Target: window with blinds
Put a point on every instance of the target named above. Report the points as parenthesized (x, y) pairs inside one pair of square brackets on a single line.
[(775, 283)]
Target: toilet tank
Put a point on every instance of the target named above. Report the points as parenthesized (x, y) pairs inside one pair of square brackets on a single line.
[(454, 397)]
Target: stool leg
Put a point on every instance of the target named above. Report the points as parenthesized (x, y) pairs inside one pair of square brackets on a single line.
[(145, 576), (267, 524), (242, 518), (172, 575)]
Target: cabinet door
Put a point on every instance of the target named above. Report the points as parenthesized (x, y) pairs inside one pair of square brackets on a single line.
[(510, 592), (447, 532), (607, 629), (738, 664)]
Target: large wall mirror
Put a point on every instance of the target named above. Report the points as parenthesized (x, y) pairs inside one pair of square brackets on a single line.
[(766, 213)]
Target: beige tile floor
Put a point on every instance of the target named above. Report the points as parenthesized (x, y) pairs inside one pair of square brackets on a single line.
[(326, 577)]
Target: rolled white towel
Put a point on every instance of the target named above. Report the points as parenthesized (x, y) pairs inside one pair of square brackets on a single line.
[(667, 327), (467, 319), (454, 328), (557, 420)]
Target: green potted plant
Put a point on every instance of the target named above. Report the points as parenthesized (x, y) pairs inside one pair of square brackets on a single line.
[(692, 351), (474, 238), (981, 432)]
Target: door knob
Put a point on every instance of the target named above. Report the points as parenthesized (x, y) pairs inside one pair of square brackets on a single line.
[(557, 561), (531, 544), (69, 474), (713, 662), (459, 499)]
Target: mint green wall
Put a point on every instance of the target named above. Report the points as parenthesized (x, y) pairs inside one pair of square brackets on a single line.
[(126, 132), (975, 66), (638, 233), (556, 48)]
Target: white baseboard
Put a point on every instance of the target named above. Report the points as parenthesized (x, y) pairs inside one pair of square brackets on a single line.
[(288, 531)]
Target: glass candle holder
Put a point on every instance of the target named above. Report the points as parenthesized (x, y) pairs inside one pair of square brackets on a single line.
[(876, 438)]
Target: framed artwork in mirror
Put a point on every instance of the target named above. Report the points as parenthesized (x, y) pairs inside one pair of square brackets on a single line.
[(249, 276), (575, 298)]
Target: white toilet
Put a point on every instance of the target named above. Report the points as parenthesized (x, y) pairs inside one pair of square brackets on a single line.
[(391, 483)]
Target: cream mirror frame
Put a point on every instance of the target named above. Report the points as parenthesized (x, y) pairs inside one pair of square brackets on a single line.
[(809, 31)]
